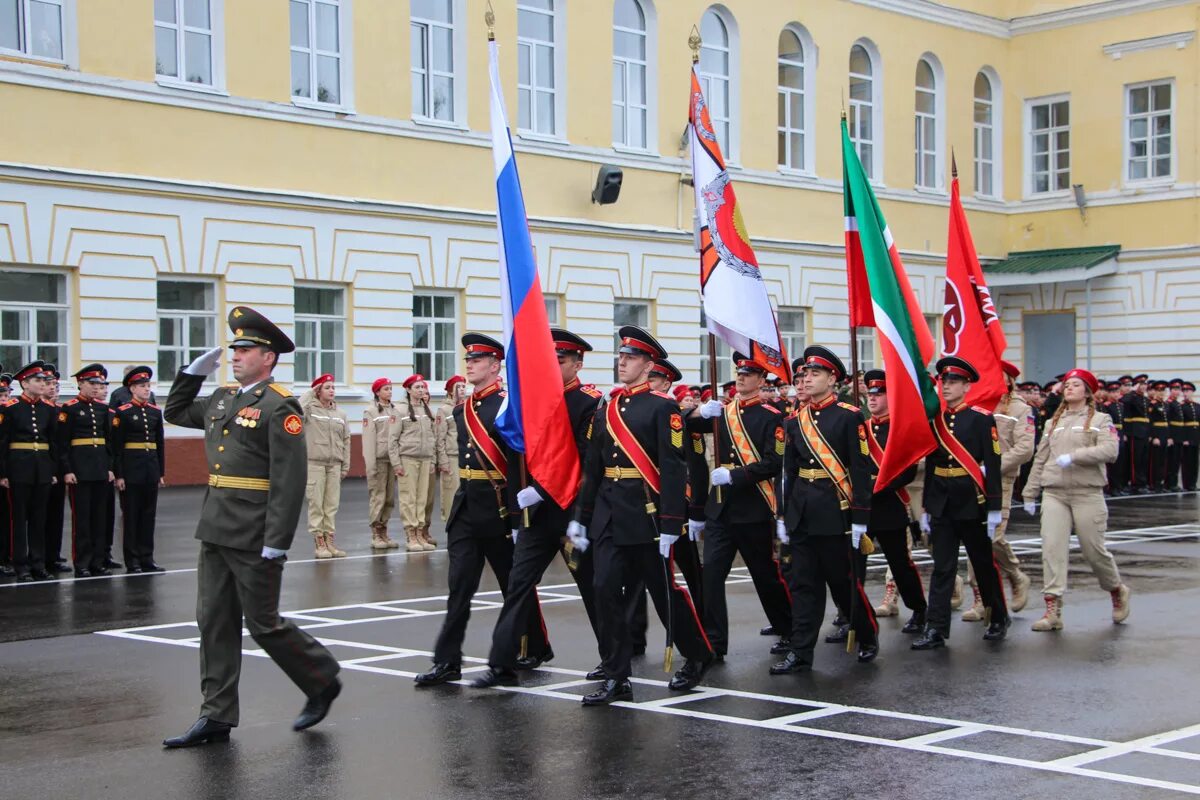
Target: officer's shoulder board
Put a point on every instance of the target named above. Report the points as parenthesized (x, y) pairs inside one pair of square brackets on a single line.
[(281, 390), (981, 410), (151, 405), (125, 407), (591, 391), (663, 395), (47, 403), (850, 407), (12, 401), (72, 401), (772, 409)]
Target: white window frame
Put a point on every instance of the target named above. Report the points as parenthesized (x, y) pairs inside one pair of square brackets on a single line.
[(997, 130), (30, 345), (433, 376), (788, 335), (1126, 140), (184, 352), (457, 72), (808, 93), (731, 150), (875, 168), (340, 370), (559, 91), (216, 44), (938, 150), (68, 35), (557, 304), (345, 55), (1027, 138), (867, 351), (650, 34)]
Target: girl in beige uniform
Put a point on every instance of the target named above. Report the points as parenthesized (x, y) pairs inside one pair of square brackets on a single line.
[(1069, 472), (327, 436), (412, 449), (381, 481), (447, 442)]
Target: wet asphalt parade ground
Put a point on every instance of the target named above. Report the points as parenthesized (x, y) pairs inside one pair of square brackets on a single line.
[(95, 673)]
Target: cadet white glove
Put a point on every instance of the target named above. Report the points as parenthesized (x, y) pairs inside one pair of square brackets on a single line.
[(711, 408), (856, 534), (993, 522), (924, 523), (272, 553), (665, 542), (1064, 460), (206, 364), (983, 470), (1030, 508), (578, 536), (528, 497), (694, 528), (781, 531), (515, 533), (721, 477)]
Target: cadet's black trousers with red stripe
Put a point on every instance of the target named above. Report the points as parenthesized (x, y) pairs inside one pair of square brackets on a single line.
[(904, 572), (818, 561), (89, 512), (945, 538), (755, 542)]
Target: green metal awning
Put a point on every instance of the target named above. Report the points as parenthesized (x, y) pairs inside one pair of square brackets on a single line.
[(1061, 264)]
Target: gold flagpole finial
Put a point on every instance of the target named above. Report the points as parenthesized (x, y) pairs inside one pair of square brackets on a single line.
[(953, 164), (694, 42), (489, 18)]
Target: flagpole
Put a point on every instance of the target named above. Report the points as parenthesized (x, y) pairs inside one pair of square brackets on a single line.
[(853, 330)]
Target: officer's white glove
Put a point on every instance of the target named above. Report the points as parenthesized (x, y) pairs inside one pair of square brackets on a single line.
[(983, 470), (781, 531), (1030, 508), (856, 534), (694, 528), (272, 553), (665, 542), (711, 408), (993, 522), (578, 536), (924, 523), (206, 364), (515, 533), (1064, 460), (528, 497), (721, 477)]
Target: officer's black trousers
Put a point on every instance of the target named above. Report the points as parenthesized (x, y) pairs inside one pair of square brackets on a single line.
[(817, 562), (945, 538), (534, 551), (29, 501), (5, 528), (619, 566), (139, 507), (1158, 464), (89, 501), (687, 558), (904, 571), (754, 541), (55, 519), (1174, 458), (110, 520), (1139, 462), (1190, 466)]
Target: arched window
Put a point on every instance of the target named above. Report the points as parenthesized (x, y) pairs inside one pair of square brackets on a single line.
[(629, 116), (925, 127), (864, 112), (795, 97), (718, 57), (986, 120)]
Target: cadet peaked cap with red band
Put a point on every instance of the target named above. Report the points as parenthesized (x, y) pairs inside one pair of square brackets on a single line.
[(411, 379), (250, 329), (1010, 369), (1159, 385), (666, 369), (747, 366), (876, 381), (478, 345), (1141, 378), (140, 374), (1113, 386), (320, 379), (955, 367), (1188, 386), (454, 381), (821, 357), (1176, 383), (92, 373), (379, 384), (1089, 380), (637, 342), (34, 369), (568, 344), (5, 380)]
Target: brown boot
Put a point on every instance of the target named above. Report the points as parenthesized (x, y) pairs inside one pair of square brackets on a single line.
[(888, 607), (332, 545), (1020, 591), (975, 612), (378, 542), (389, 541), (322, 549), (1120, 603), (413, 543), (957, 597), (1052, 619), (426, 539)]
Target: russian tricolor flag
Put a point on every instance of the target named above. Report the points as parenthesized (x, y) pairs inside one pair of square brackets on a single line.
[(533, 419)]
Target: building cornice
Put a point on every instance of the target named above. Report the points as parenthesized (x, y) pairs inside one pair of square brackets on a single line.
[(1178, 40)]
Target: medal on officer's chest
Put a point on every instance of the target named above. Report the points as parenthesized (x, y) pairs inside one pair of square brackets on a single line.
[(248, 417)]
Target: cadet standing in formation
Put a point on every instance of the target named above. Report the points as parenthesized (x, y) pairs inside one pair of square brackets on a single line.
[(139, 464), (84, 433), (1135, 409), (378, 418), (1190, 455), (327, 436), (56, 510)]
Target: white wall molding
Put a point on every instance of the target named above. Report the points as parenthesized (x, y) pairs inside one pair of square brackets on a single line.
[(1178, 40)]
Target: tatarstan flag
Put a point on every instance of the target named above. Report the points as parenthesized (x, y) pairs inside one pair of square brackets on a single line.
[(881, 297)]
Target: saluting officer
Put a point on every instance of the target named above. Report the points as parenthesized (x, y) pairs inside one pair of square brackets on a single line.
[(827, 495), (83, 434), (30, 460), (634, 492), (255, 493), (962, 504), (743, 503), (1135, 409), (140, 466)]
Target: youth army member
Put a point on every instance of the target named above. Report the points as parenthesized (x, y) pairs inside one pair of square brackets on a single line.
[(483, 514), (543, 528), (412, 448), (381, 480), (139, 466), (327, 436), (743, 502), (827, 495), (255, 494), (962, 504), (634, 492), (447, 442), (1068, 471), (83, 433)]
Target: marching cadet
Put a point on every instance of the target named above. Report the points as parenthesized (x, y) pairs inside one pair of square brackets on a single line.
[(56, 510), (1135, 410), (1159, 437), (30, 459), (890, 516), (484, 511), (412, 448), (634, 501), (247, 522), (1190, 454), (827, 495), (378, 418), (139, 464), (1175, 434), (1112, 407), (962, 504), (6, 533), (743, 504), (541, 537), (1068, 471), (83, 432), (327, 437), (447, 443)]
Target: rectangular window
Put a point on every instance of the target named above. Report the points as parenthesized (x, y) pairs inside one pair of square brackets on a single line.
[(866, 349), (628, 312), (33, 319), (1149, 128), (553, 309), (934, 321), (724, 356), (32, 28), (793, 329), (316, 50), (187, 324), (985, 158), (537, 92), (432, 44), (925, 138), (435, 336), (183, 41), (1050, 146), (320, 333)]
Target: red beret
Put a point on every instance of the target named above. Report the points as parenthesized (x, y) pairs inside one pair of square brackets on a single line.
[(1010, 369), (681, 392), (1088, 378), (454, 381), (416, 377), (706, 395), (379, 384), (326, 378)]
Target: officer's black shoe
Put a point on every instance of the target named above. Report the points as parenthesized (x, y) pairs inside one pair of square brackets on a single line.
[(59, 568), (6, 571), (533, 662), (42, 575), (597, 674), (997, 630), (152, 567), (930, 640), (441, 673), (768, 630), (867, 652), (840, 619), (317, 706), (24, 577), (784, 645), (839, 634), (610, 692), (495, 676), (134, 570), (101, 571), (203, 731), (110, 564), (790, 664), (916, 624), (691, 674), (83, 573)]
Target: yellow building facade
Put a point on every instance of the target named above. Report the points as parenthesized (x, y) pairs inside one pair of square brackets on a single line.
[(328, 162)]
